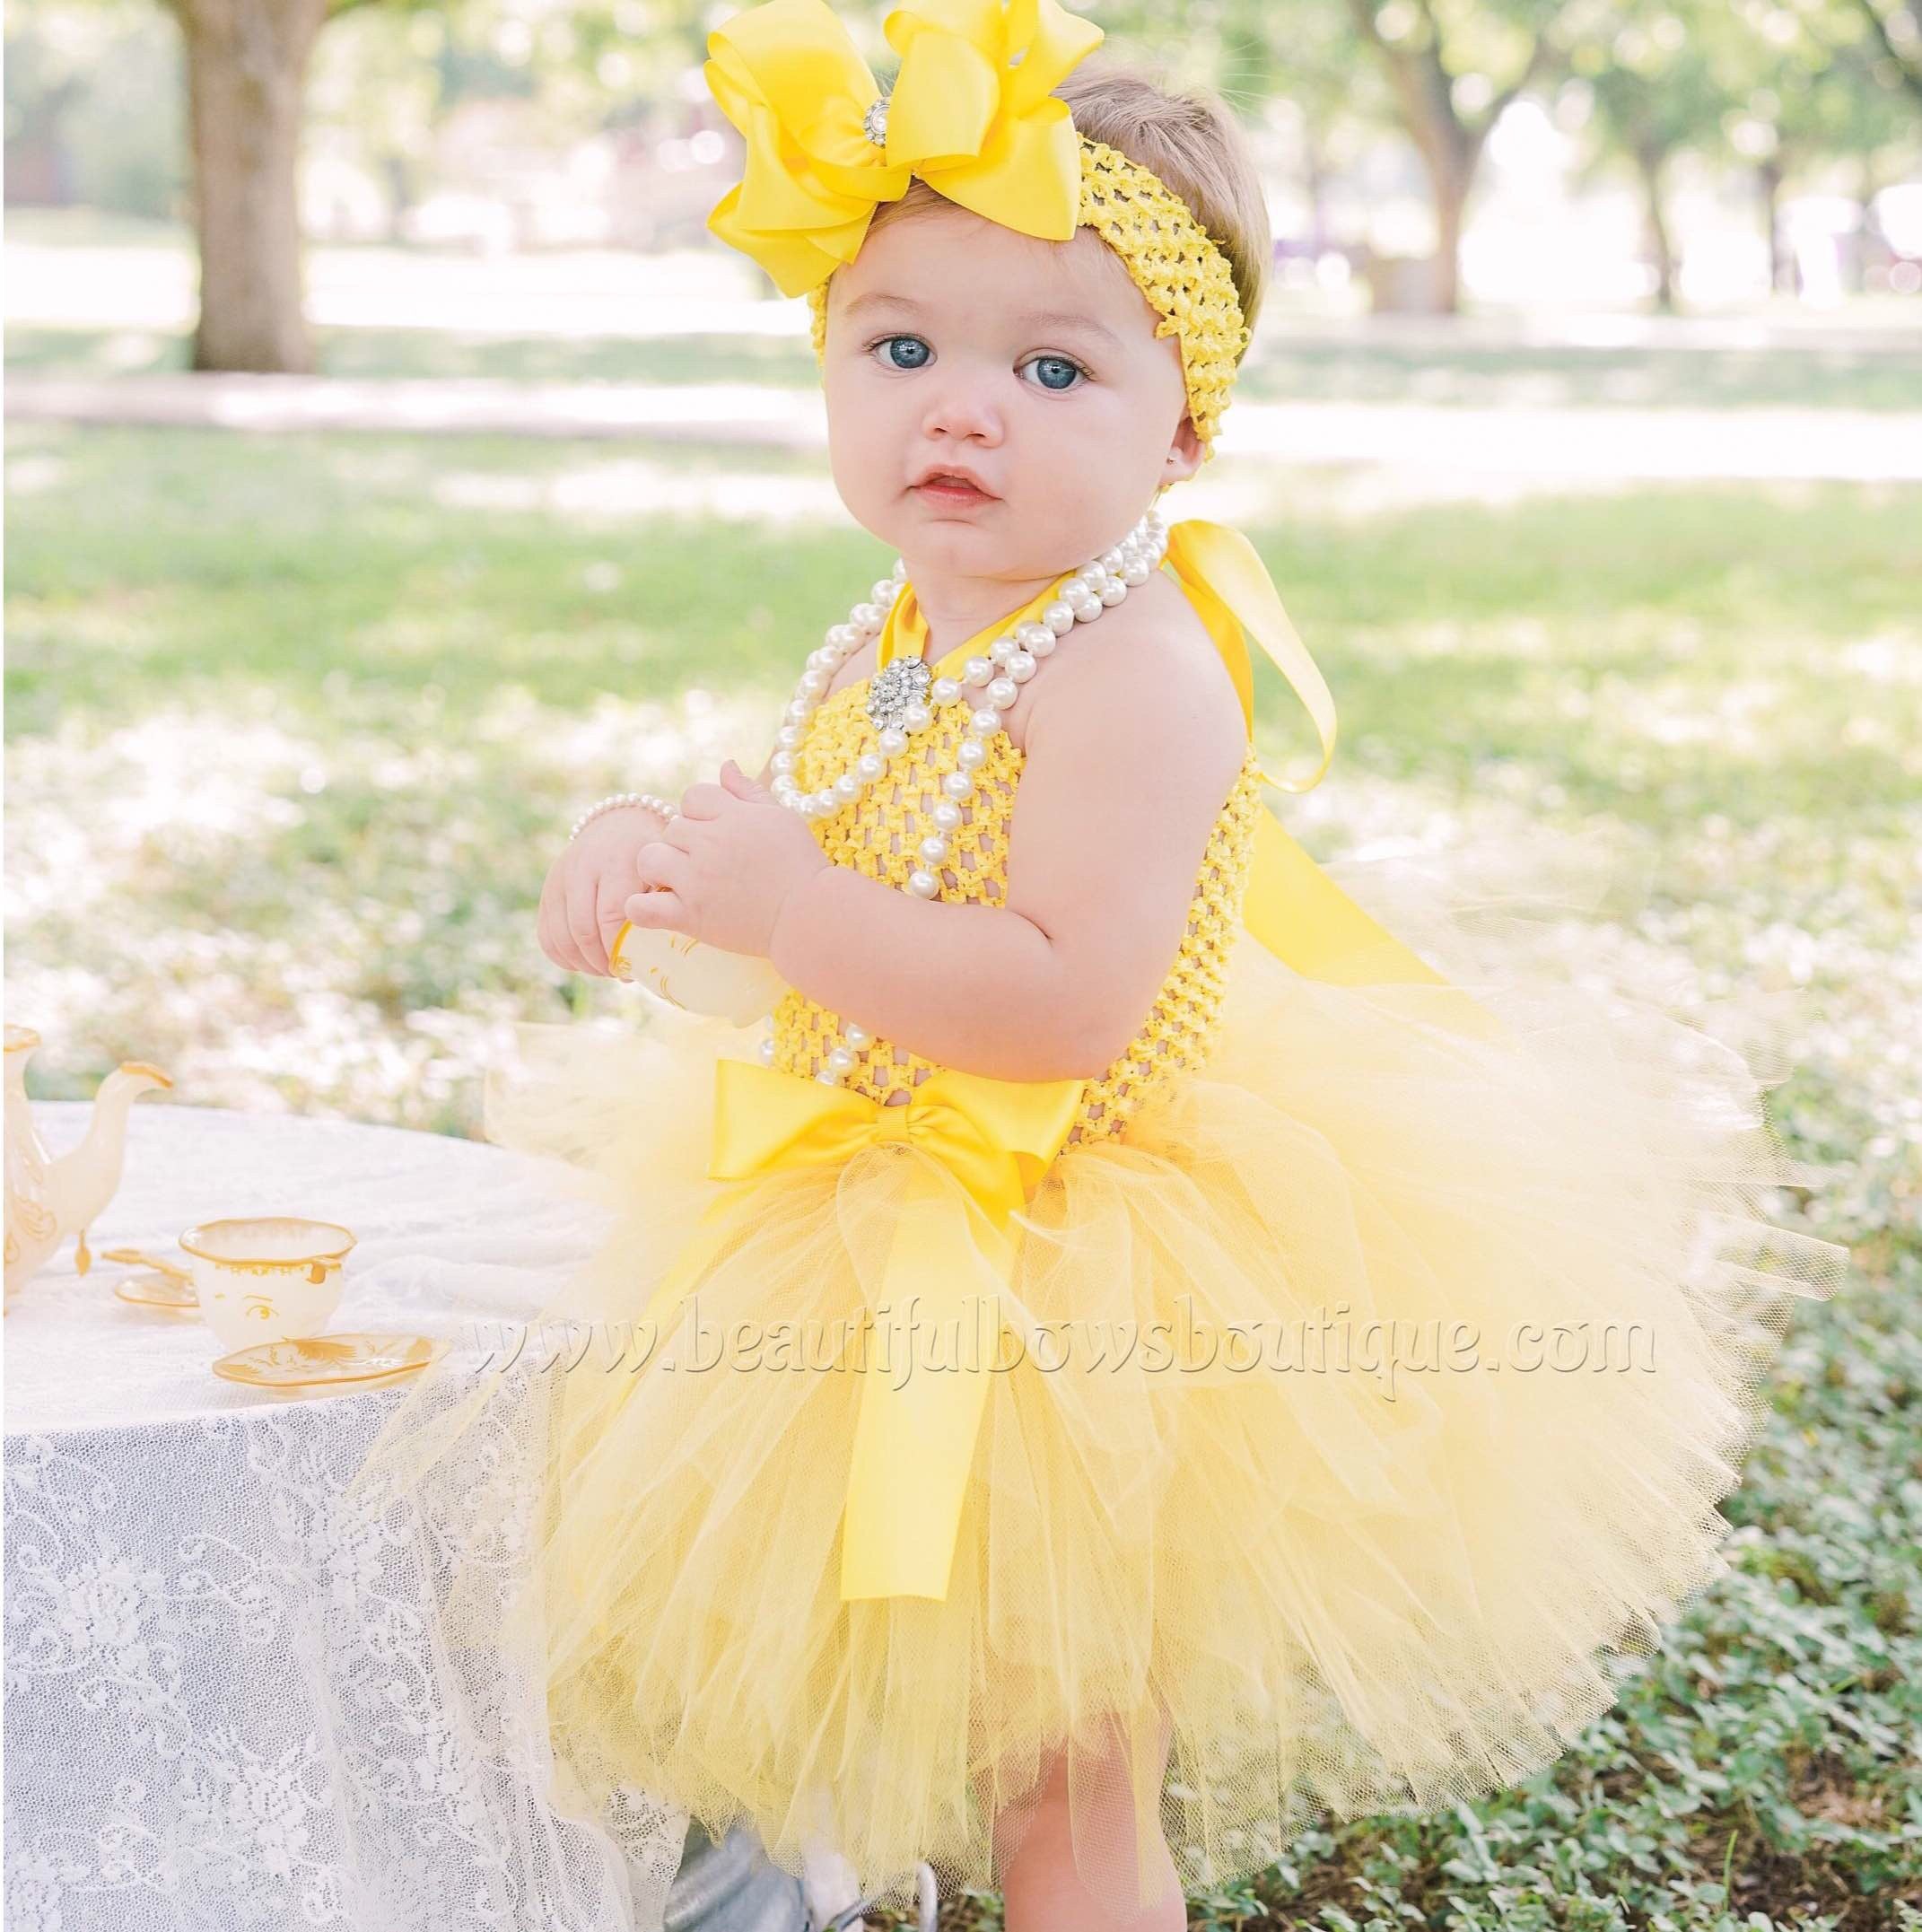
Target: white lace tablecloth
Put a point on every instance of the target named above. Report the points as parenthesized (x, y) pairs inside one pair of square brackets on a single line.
[(228, 1702)]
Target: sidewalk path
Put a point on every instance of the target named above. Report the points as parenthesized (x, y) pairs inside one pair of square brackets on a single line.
[(1843, 445)]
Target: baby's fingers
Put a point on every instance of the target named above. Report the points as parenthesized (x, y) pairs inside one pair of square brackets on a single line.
[(583, 926), (551, 925), (658, 909), (610, 898)]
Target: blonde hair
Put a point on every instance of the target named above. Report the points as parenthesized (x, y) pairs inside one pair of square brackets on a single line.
[(1190, 140)]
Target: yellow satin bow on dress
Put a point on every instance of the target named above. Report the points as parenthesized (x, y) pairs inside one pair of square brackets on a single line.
[(971, 111), (936, 1322)]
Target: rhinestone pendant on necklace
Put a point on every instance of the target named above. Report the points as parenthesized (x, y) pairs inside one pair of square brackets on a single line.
[(898, 686)]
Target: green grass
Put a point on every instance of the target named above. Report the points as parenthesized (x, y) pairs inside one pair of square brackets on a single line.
[(786, 362), (205, 562), (295, 724), (1370, 369)]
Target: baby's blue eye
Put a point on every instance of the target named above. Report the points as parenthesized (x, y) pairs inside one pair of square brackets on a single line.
[(1056, 372), (904, 352)]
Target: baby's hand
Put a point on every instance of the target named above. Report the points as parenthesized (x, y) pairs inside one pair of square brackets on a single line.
[(581, 904), (720, 872)]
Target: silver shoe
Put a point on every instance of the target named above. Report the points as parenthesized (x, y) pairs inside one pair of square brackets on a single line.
[(928, 1906)]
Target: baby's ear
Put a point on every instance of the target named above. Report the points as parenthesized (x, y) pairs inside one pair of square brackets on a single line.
[(1185, 458)]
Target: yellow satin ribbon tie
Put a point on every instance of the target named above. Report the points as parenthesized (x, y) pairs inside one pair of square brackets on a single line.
[(952, 1248), (1291, 905)]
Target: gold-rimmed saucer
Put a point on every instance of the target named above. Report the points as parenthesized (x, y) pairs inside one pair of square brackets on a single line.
[(158, 1288), (330, 1361), (138, 1257)]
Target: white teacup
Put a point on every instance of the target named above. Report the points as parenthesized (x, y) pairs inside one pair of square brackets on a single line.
[(267, 1276)]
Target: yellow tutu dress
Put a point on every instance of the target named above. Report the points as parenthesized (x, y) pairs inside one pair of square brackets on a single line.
[(1324, 1392)]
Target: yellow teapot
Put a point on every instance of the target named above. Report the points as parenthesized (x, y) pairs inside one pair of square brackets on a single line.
[(46, 1200)]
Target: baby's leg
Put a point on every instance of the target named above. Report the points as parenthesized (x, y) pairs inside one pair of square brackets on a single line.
[(1043, 1888)]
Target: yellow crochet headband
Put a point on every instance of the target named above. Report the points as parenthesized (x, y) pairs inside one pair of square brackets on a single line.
[(972, 113)]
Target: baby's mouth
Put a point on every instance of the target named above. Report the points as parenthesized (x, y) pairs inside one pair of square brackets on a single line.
[(952, 489)]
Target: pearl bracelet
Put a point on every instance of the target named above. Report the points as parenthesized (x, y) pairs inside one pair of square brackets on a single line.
[(614, 803)]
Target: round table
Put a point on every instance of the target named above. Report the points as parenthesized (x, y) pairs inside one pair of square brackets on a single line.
[(229, 1701)]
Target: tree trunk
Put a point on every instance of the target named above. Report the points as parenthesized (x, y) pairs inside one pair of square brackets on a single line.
[(1652, 161), (1450, 150), (1311, 154), (246, 68), (1782, 271), (1450, 198), (399, 172)]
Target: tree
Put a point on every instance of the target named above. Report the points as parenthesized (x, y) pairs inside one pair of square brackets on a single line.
[(1806, 87), (246, 70), (1443, 58), (1291, 67), (247, 67), (1340, 104), (1656, 93), (1898, 33), (1777, 90), (94, 107)]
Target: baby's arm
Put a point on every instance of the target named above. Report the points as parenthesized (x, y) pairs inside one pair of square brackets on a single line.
[(1128, 764)]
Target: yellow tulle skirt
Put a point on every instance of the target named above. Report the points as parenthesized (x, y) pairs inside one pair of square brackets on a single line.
[(1492, 1321)]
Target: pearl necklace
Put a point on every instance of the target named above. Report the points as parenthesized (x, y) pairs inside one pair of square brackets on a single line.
[(902, 692), (900, 697)]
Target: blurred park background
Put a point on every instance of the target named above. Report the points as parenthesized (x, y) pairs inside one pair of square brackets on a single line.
[(395, 466)]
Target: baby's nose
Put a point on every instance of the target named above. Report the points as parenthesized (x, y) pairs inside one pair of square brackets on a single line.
[(963, 406)]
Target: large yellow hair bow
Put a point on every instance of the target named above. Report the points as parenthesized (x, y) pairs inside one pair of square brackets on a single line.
[(972, 111)]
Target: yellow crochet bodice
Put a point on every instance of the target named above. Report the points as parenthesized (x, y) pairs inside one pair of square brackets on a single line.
[(878, 834)]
